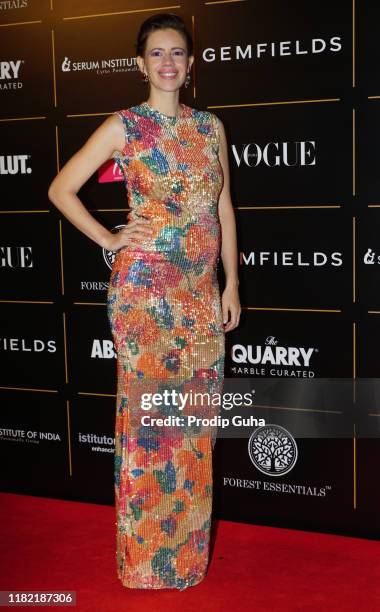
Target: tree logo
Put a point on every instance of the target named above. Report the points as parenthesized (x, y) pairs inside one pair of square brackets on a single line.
[(272, 450)]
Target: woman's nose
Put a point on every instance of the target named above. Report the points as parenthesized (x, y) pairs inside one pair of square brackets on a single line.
[(168, 57)]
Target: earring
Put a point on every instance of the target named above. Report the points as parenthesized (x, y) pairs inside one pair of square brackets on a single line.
[(145, 78), (188, 79)]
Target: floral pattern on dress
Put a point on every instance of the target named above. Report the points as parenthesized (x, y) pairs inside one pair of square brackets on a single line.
[(165, 315)]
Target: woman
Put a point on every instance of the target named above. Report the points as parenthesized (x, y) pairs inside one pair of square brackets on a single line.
[(164, 307)]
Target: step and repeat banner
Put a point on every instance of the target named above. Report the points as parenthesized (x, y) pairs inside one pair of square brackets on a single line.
[(298, 90)]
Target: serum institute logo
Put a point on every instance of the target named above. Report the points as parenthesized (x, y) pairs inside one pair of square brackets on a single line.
[(14, 164), (66, 65), (272, 359), (28, 436), (16, 257), (289, 154), (371, 258), (278, 49), (109, 172), (100, 66), (272, 450), (10, 74)]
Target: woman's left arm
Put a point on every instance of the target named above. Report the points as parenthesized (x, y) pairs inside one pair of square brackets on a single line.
[(229, 252)]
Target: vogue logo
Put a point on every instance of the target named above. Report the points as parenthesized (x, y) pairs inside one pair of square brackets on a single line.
[(301, 153), (273, 49), (290, 258), (16, 257), (14, 164), (9, 72)]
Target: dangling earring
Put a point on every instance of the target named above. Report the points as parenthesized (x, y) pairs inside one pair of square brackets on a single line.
[(187, 80), (145, 78)]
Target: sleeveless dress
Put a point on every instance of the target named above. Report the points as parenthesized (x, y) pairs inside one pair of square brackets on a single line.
[(165, 315)]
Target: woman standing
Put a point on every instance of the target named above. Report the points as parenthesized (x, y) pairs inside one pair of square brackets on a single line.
[(167, 319)]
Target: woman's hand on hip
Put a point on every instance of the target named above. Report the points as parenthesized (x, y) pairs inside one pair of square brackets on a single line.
[(132, 234)]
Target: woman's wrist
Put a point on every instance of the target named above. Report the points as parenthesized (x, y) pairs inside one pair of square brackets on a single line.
[(106, 241), (232, 283)]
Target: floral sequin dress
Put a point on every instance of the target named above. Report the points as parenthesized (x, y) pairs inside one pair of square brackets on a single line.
[(165, 314)]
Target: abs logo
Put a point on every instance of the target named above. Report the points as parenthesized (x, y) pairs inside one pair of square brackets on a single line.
[(109, 256), (273, 450), (103, 349)]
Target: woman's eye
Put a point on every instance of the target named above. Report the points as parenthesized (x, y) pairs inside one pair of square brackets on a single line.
[(178, 52)]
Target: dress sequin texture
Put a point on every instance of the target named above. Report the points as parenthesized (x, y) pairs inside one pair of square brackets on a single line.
[(165, 314)]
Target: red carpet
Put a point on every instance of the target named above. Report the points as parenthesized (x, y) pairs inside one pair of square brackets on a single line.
[(51, 544)]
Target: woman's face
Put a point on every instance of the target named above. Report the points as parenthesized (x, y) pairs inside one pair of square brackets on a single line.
[(165, 61)]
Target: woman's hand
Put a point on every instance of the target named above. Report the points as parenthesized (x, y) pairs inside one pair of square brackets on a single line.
[(133, 233), (231, 304)]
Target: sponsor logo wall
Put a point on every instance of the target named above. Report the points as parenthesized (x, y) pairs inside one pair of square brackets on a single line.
[(296, 86)]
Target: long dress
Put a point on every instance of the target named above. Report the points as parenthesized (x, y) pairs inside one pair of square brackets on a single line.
[(164, 309)]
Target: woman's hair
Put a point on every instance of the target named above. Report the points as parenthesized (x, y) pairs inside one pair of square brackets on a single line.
[(161, 21)]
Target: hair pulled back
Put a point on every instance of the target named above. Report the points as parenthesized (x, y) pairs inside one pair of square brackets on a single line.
[(162, 21)]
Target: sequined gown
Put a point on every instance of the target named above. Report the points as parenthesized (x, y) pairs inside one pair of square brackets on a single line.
[(165, 315)]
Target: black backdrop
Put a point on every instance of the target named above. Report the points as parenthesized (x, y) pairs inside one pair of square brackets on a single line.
[(297, 88)]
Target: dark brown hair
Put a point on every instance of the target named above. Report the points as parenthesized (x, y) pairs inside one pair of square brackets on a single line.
[(161, 21)]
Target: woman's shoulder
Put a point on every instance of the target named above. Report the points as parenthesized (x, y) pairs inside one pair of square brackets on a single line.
[(201, 114), (127, 113), (188, 111), (207, 121)]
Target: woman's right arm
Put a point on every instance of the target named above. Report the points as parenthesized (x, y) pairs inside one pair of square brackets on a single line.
[(101, 145)]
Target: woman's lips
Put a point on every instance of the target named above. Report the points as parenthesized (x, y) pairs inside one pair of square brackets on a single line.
[(168, 75)]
